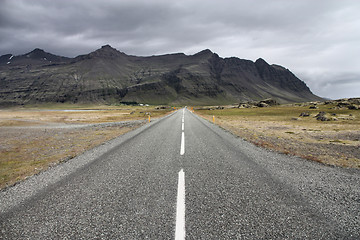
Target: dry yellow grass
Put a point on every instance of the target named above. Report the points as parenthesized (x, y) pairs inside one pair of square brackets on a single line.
[(280, 128), (28, 154), (31, 140)]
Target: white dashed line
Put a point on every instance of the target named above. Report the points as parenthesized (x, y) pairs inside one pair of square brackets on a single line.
[(180, 208), (182, 146)]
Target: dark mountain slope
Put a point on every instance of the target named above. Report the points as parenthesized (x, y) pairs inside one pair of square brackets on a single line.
[(35, 57), (109, 76)]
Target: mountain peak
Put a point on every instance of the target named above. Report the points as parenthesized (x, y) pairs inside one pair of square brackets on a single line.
[(36, 50), (106, 51), (204, 52), (40, 54), (261, 61), (107, 47), (37, 53)]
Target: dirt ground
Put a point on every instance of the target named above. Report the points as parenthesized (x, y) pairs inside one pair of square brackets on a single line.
[(32, 140), (281, 129)]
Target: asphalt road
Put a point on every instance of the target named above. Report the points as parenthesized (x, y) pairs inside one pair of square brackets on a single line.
[(129, 187)]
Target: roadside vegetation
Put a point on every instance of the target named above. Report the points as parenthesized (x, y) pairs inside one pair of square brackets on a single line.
[(326, 132), (34, 138)]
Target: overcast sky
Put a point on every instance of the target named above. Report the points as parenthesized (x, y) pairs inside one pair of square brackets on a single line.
[(318, 40)]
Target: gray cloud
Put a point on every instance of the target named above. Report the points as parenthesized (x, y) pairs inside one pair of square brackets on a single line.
[(339, 84), (311, 38)]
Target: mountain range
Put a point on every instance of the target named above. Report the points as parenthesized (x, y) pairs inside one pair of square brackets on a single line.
[(110, 76)]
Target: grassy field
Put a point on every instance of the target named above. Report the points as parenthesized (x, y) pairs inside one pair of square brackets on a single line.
[(37, 137), (280, 128), (34, 138)]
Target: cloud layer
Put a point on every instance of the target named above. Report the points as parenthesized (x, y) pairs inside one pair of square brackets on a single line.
[(317, 40)]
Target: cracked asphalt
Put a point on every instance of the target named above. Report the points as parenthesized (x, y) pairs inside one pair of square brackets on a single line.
[(126, 189)]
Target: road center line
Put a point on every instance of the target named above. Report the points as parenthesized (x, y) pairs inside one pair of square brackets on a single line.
[(182, 146), (180, 208), (182, 126)]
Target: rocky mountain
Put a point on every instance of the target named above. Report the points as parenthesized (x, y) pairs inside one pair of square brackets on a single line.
[(110, 76)]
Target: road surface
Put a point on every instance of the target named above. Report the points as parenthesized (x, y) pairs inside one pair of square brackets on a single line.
[(183, 177)]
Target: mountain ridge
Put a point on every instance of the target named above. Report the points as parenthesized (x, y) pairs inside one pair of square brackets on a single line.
[(107, 75)]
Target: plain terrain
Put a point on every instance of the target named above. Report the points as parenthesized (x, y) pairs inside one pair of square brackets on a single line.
[(281, 128), (35, 138)]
